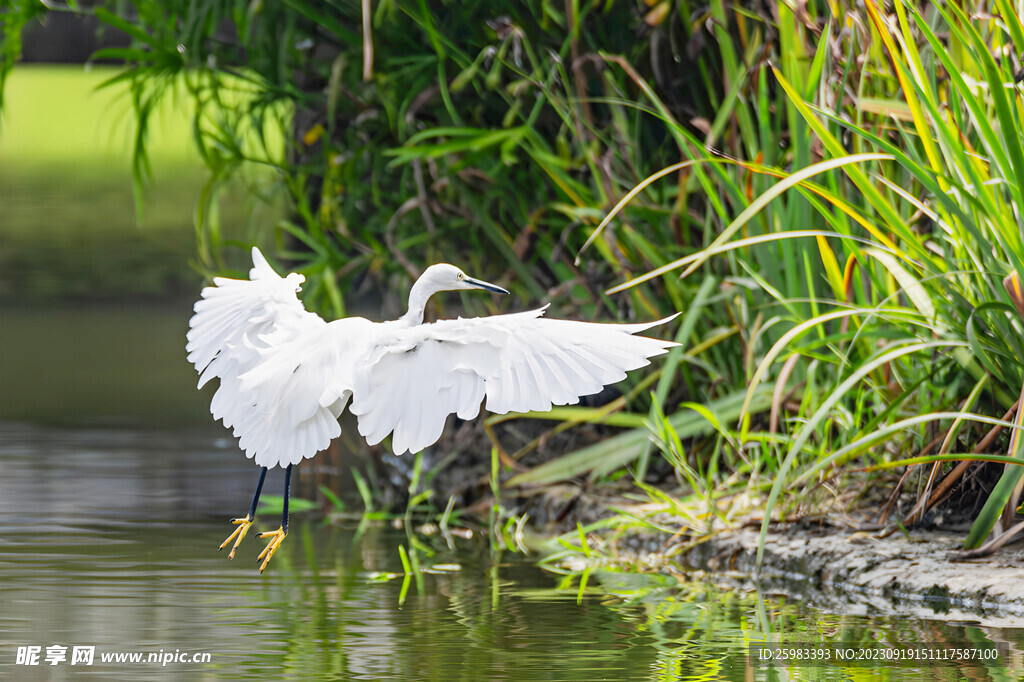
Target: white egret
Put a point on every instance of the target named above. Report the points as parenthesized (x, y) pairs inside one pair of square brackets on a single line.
[(286, 374)]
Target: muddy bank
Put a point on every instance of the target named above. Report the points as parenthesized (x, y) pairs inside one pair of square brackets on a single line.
[(857, 573)]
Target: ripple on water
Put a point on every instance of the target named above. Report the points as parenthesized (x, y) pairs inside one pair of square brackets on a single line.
[(110, 539)]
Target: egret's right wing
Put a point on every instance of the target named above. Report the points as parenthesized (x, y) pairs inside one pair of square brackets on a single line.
[(255, 336), (414, 377)]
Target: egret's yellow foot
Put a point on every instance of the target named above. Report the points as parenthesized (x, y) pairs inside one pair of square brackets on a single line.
[(238, 535), (276, 538)]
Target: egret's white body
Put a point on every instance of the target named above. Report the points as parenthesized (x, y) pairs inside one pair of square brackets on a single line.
[(286, 374)]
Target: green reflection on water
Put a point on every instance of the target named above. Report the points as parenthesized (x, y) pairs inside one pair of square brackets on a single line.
[(109, 539)]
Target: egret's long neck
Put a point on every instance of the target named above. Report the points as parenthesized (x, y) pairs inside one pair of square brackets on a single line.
[(418, 296)]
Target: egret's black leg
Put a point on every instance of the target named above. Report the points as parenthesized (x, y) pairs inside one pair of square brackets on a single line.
[(277, 536), (256, 495), (287, 489), (244, 524)]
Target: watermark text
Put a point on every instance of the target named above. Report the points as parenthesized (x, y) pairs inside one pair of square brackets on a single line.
[(59, 654)]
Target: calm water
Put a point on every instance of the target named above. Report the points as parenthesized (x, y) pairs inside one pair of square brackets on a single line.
[(109, 540)]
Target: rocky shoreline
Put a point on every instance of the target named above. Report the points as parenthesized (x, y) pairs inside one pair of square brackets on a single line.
[(912, 574)]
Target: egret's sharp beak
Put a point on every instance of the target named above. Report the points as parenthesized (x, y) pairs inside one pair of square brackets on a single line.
[(486, 286)]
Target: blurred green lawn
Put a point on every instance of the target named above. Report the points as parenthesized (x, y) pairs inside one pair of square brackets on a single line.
[(55, 117), (69, 229)]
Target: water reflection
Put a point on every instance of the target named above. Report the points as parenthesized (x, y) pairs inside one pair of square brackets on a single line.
[(109, 539)]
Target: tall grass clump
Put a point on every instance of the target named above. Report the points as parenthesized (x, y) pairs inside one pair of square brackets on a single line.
[(875, 249), (403, 134)]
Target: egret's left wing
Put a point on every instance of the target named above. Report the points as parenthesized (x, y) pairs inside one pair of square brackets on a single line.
[(414, 377)]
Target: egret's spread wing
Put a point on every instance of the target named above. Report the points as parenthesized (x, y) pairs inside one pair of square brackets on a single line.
[(258, 339), (414, 377)]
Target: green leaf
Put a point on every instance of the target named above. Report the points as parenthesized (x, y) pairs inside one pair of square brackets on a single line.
[(619, 450)]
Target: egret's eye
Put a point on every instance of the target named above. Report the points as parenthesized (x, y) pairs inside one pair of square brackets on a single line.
[(460, 276)]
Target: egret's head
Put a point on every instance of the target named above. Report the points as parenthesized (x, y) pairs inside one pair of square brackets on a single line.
[(445, 277)]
